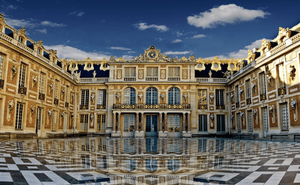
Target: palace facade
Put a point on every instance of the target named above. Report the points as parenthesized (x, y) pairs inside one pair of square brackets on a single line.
[(151, 95)]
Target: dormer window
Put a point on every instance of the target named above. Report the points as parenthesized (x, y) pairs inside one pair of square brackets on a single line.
[(21, 40)]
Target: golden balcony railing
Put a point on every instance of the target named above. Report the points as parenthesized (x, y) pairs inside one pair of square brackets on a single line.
[(248, 101), (220, 106), (82, 107), (55, 101), (101, 106), (202, 106), (22, 90), (152, 106), (41, 96), (263, 96)]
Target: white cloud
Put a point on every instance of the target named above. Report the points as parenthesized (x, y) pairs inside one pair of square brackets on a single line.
[(198, 36), (52, 24), (42, 30), (178, 33), (64, 51), (17, 23), (119, 48), (77, 13), (144, 26), (242, 53), (224, 14), (130, 52), (12, 7), (127, 57), (176, 41), (177, 52)]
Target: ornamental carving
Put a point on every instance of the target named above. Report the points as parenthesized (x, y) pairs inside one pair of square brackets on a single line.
[(77, 76), (162, 97), (14, 71), (51, 87), (184, 74), (251, 56), (141, 74), (266, 46), (10, 108), (140, 96), (163, 74), (118, 96), (185, 97), (119, 74), (34, 80), (292, 71), (283, 33)]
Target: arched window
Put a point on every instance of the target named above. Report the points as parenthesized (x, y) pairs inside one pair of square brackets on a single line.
[(151, 95), (129, 96), (174, 96), (173, 165), (151, 165)]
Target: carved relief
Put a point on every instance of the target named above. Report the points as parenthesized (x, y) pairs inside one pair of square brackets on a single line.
[(292, 71), (163, 74), (211, 98), (10, 108), (118, 97), (92, 97), (251, 56), (294, 108), (253, 87), (77, 76), (185, 97), (184, 74), (211, 120), (242, 118), (51, 87), (141, 73), (119, 74), (14, 71), (271, 109), (34, 80), (283, 33), (162, 97), (140, 96), (266, 46), (227, 74)]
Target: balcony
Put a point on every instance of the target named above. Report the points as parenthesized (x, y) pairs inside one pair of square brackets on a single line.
[(152, 106), (41, 96), (263, 96), (101, 106), (129, 79), (220, 107), (84, 107), (248, 100), (174, 79), (152, 79), (211, 80), (22, 90), (202, 106), (281, 91), (1, 84), (55, 101)]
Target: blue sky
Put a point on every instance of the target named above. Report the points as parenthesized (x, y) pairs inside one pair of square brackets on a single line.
[(99, 29)]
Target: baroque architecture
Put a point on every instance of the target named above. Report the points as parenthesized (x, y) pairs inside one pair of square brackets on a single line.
[(151, 95)]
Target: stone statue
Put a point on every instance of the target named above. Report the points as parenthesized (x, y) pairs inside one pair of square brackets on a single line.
[(227, 74), (77, 76), (94, 74), (162, 97), (163, 74), (141, 74), (140, 97), (184, 97), (118, 97)]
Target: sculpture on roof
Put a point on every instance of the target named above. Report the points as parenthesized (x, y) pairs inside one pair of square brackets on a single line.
[(77, 76)]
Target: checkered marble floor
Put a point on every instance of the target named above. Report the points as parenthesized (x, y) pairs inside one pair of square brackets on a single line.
[(229, 162)]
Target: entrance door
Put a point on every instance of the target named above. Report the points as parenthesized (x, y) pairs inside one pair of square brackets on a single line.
[(151, 126)]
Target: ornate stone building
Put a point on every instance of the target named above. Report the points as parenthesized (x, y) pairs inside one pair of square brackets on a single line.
[(151, 95)]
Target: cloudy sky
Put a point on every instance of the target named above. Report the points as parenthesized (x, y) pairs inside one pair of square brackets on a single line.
[(99, 29)]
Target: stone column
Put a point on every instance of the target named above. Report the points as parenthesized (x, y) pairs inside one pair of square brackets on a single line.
[(189, 122), (160, 121), (137, 122), (183, 122)]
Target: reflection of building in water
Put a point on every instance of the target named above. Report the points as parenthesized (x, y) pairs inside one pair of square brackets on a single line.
[(146, 160), (152, 95)]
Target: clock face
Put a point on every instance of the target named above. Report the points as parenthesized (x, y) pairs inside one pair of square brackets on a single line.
[(151, 54)]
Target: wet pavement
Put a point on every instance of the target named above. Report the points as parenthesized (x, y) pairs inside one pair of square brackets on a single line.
[(101, 160)]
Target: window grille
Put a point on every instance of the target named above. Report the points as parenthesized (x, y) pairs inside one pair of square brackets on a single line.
[(129, 122), (202, 123), (220, 99), (173, 71), (174, 123), (38, 118), (84, 122), (262, 82), (151, 95), (221, 123), (101, 122), (22, 75), (130, 72), (129, 96), (19, 116), (85, 98), (174, 96), (152, 71)]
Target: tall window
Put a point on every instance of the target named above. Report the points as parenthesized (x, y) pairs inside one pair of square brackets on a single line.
[(22, 75), (129, 71), (280, 75), (101, 122), (237, 94), (54, 119), (250, 121), (221, 123), (67, 94), (174, 123), (248, 88), (102, 97), (38, 118), (84, 122), (284, 116), (101, 144), (1, 66), (220, 99), (238, 115), (129, 121), (42, 83), (202, 94), (128, 145), (151, 96), (152, 71), (202, 144), (129, 96), (202, 123), (262, 82), (56, 89), (174, 96), (174, 145), (151, 164), (19, 115), (173, 164), (173, 71), (85, 98)]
